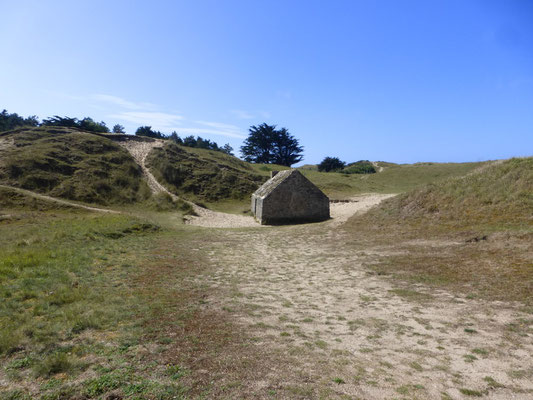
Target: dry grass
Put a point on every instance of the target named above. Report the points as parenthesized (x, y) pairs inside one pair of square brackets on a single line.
[(473, 233)]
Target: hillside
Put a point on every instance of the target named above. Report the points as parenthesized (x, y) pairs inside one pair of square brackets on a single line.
[(72, 164), (394, 178), (203, 175), (472, 233), (498, 193), (94, 168)]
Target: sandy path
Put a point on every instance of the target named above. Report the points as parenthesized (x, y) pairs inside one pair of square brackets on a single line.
[(213, 219), (204, 217), (59, 201), (378, 168), (340, 212), (300, 291)]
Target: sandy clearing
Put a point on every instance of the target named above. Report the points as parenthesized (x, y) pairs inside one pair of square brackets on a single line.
[(298, 290), (340, 212)]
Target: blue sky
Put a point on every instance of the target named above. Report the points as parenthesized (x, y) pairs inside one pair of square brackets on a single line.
[(401, 81)]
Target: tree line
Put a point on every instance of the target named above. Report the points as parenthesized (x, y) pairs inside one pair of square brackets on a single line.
[(9, 121), (188, 141), (265, 144)]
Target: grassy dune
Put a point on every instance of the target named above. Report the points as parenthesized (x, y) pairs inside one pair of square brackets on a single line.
[(473, 233), (395, 178), (499, 194), (203, 175), (71, 164), (78, 165)]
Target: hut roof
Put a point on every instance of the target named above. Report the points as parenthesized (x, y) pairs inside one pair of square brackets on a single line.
[(280, 177), (273, 182)]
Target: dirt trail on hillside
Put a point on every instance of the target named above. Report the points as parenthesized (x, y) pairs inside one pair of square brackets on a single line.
[(302, 292), (378, 168), (57, 200), (203, 217)]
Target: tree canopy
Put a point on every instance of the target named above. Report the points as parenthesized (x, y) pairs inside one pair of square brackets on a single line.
[(118, 129), (147, 131), (87, 123), (267, 145), (331, 164), (11, 121)]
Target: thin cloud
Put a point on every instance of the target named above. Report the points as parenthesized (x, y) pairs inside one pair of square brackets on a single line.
[(198, 131), (215, 128), (141, 114), (119, 101), (158, 120), (241, 114), (287, 94)]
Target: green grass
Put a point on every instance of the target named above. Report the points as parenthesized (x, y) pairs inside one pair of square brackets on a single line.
[(471, 392), (71, 164), (395, 178), (12, 199), (95, 304), (69, 299), (203, 175)]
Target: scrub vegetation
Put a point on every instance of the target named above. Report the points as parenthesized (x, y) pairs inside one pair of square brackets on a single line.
[(203, 175), (72, 164)]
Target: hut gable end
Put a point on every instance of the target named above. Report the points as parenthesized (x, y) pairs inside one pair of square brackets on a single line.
[(289, 197)]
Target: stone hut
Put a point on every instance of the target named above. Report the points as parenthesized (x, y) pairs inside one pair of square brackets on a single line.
[(289, 197)]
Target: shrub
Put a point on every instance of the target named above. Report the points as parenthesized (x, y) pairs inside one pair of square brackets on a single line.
[(53, 364), (331, 164), (360, 167)]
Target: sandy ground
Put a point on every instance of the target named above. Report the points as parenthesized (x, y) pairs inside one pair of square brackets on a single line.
[(299, 291), (340, 212)]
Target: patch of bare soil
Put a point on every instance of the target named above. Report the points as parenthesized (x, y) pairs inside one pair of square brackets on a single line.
[(352, 333), (340, 212), (377, 167)]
